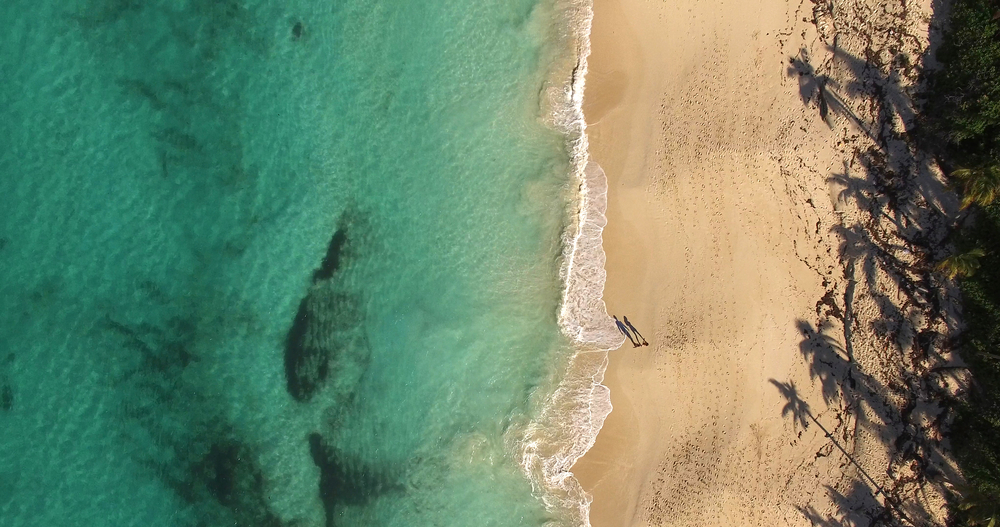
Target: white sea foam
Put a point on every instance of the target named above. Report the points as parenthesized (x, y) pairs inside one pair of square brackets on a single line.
[(574, 413)]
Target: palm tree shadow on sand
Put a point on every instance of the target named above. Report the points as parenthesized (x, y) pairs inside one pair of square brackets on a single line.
[(894, 211), (849, 391), (824, 90), (860, 500), (856, 507)]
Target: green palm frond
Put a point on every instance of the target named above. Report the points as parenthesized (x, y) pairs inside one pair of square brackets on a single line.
[(964, 265), (980, 508), (979, 185)]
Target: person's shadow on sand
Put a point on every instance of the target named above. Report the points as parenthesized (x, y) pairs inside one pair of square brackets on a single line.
[(636, 331), (624, 329)]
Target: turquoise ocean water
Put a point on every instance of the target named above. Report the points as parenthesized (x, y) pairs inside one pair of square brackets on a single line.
[(294, 263)]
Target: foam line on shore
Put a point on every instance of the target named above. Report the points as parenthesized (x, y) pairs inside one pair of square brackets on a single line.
[(575, 412)]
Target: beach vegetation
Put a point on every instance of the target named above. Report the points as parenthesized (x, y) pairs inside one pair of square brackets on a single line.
[(961, 265), (978, 508), (961, 121), (976, 433), (980, 185), (965, 107)]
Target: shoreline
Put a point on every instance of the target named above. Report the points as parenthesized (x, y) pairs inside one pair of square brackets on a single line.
[(574, 413), (732, 245), (611, 107)]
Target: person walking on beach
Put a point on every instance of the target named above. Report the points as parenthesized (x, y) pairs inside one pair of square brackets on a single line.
[(637, 334), (624, 330)]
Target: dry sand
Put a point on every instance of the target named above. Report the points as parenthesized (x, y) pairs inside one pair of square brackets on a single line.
[(778, 261)]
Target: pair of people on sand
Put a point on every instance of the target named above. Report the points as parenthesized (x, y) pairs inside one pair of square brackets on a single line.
[(626, 328)]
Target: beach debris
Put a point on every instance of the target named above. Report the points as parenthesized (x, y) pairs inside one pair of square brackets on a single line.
[(824, 21)]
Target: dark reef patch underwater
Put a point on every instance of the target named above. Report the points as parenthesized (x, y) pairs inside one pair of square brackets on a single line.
[(6, 398), (276, 263), (327, 326)]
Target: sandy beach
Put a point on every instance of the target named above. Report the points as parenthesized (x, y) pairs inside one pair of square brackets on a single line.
[(771, 232)]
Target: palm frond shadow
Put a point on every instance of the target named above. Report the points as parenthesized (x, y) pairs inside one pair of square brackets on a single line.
[(856, 507), (823, 353), (820, 520), (839, 376), (868, 78), (875, 88), (853, 188), (878, 258), (859, 506), (823, 89), (867, 81), (880, 196), (796, 406), (870, 402)]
